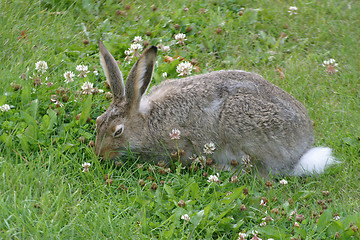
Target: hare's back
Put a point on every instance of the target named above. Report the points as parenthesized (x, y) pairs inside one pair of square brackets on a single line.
[(240, 111), (223, 84), (231, 95)]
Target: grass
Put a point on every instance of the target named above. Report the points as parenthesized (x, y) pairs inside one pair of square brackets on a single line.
[(45, 195)]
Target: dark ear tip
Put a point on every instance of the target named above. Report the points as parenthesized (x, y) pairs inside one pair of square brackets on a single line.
[(153, 49)]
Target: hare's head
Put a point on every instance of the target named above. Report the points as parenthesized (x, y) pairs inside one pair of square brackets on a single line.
[(122, 122)]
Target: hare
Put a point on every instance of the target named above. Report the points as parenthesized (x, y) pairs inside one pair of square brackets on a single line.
[(240, 112)]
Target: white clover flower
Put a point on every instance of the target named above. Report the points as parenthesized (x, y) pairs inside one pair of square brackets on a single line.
[(336, 217), (41, 66), (242, 236), (83, 70), (164, 75), (128, 57), (330, 65), (292, 10), (234, 179), (87, 88), (69, 76), (201, 160), (262, 203), (209, 148), (184, 68), (185, 217), (56, 102), (180, 37), (214, 178), (135, 49), (267, 219), (193, 157), (283, 182), (59, 104), (137, 39), (175, 134), (331, 61), (262, 224), (5, 108), (228, 193), (96, 73), (86, 166), (246, 161), (255, 238), (165, 48)]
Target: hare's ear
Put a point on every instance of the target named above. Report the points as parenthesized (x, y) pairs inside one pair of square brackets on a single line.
[(112, 72), (139, 77)]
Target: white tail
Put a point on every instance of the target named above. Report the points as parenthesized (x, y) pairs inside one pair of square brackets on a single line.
[(314, 161)]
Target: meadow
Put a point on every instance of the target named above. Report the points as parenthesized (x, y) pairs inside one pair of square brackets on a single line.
[(53, 186)]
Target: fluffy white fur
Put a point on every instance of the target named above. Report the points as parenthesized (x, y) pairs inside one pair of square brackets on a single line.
[(314, 161)]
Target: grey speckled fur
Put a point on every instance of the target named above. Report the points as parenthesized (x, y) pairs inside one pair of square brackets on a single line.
[(241, 112)]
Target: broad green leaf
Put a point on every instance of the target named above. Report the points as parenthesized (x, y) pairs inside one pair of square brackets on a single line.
[(324, 220), (174, 218), (302, 195), (66, 146), (191, 189), (207, 210), (156, 77), (169, 191), (34, 108), (225, 222), (220, 216), (273, 232), (335, 226), (25, 95), (195, 219), (28, 118), (206, 213), (3, 99), (86, 108), (301, 231), (144, 225), (44, 123), (235, 194), (194, 190), (237, 225), (53, 119), (24, 142), (87, 135), (355, 218), (7, 139), (31, 133)]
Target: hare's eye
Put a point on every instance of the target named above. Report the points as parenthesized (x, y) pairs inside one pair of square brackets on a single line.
[(118, 130)]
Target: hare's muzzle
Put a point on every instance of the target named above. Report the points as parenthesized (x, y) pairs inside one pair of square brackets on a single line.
[(104, 152), (99, 148)]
